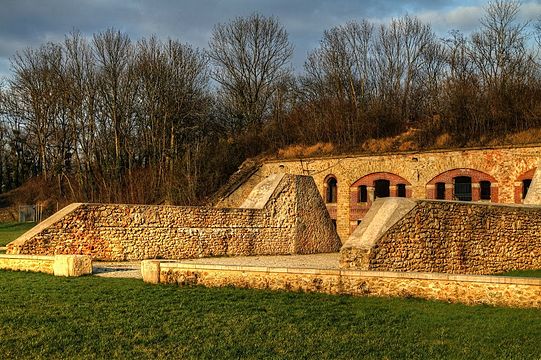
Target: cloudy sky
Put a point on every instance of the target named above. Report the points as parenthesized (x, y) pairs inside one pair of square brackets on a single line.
[(29, 23)]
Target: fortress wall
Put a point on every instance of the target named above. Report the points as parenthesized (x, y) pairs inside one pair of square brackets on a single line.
[(505, 165), (449, 237), (129, 232)]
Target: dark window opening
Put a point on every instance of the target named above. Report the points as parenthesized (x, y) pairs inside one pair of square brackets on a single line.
[(440, 191), (363, 194), (463, 188), (331, 190), (401, 190), (382, 188), (525, 186), (485, 190), (359, 222)]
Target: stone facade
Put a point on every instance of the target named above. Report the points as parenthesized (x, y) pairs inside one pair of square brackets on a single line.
[(492, 290), (449, 237), (287, 217), (504, 168)]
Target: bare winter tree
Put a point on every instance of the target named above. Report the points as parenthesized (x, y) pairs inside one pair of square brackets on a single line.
[(251, 58), (505, 65), (338, 75), (116, 83)]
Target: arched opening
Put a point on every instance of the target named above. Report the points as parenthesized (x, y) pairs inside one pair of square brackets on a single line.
[(525, 187), (485, 190), (464, 185), (440, 191), (462, 188), (401, 190), (370, 187), (363, 194), (522, 185), (332, 190), (382, 188)]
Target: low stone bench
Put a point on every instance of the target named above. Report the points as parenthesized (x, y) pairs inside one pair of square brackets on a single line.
[(57, 265)]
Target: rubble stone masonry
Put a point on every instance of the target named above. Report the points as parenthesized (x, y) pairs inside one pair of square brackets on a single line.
[(292, 221), (452, 237)]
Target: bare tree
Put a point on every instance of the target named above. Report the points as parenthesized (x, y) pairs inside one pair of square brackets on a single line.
[(251, 57), (113, 53)]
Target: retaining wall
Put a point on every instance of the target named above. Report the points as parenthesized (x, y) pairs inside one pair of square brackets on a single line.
[(283, 215), (493, 290), (445, 236)]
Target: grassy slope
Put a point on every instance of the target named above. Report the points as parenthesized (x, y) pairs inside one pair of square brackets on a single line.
[(11, 231), (47, 317)]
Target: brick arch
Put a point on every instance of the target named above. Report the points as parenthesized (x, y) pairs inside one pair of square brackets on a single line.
[(370, 178), (519, 184), (359, 209), (476, 176)]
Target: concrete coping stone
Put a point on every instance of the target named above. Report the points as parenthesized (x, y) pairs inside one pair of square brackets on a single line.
[(361, 273), (27, 257)]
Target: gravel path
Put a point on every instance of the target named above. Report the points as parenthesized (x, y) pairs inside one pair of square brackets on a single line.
[(313, 261), (124, 269), (132, 269)]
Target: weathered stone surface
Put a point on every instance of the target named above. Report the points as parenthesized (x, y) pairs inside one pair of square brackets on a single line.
[(27, 263), (492, 290), (293, 221), (505, 165), (150, 270), (72, 265), (383, 214), (453, 237)]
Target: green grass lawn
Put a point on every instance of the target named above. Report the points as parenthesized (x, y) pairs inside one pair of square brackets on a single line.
[(523, 273), (48, 317), (11, 231)]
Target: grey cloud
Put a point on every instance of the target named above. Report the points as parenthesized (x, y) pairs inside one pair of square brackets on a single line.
[(26, 23)]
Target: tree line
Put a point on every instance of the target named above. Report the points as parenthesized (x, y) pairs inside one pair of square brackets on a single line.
[(109, 119)]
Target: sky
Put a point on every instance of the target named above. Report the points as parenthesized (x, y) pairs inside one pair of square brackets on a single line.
[(30, 23)]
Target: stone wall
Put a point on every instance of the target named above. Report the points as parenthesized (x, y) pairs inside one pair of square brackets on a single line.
[(450, 237), (505, 165), (288, 218), (59, 265), (492, 290)]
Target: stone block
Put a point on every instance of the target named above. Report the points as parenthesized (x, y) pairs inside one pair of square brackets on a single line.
[(72, 265), (150, 269)]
